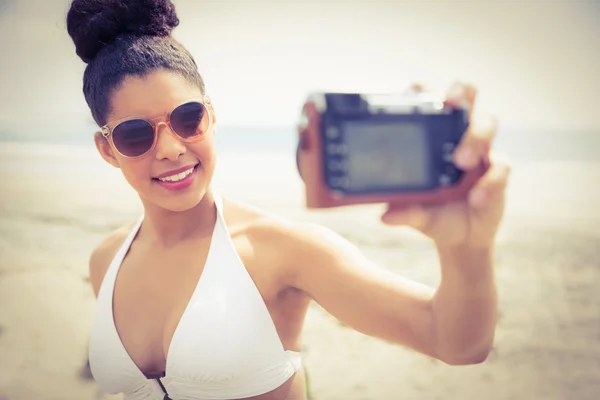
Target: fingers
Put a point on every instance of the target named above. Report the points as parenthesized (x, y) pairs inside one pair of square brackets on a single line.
[(492, 185), (418, 87), (476, 142), (416, 216), (461, 95)]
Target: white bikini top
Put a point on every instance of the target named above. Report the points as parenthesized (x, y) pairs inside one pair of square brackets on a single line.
[(224, 347)]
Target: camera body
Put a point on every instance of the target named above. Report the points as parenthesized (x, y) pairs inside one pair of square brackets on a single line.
[(356, 148)]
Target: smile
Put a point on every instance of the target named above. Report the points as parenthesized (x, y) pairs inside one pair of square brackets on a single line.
[(177, 177)]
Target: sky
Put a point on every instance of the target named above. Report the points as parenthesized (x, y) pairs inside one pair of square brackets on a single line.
[(536, 63)]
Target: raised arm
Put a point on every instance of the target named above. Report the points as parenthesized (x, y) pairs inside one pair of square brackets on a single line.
[(454, 323)]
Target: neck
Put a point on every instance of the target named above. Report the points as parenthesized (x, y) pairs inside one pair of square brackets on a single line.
[(167, 228)]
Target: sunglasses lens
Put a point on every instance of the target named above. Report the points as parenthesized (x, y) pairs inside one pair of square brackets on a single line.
[(133, 138), (190, 120)]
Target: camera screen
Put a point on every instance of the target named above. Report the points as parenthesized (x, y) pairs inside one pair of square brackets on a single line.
[(386, 155)]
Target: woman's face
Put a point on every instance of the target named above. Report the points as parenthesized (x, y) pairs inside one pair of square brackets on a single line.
[(153, 97)]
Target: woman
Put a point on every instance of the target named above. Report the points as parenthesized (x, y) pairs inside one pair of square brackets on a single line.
[(204, 298)]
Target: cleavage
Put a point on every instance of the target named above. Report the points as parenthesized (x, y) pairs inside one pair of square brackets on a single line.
[(152, 290)]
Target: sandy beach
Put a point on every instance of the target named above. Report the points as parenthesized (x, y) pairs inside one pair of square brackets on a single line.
[(57, 204)]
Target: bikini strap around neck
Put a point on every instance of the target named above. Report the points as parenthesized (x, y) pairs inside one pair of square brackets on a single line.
[(218, 203)]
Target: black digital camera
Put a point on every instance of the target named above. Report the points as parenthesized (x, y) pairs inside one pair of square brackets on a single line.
[(358, 148)]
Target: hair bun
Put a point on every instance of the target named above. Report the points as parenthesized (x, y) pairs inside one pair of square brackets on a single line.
[(93, 24)]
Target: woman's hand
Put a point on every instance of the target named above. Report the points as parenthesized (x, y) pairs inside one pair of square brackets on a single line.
[(471, 223)]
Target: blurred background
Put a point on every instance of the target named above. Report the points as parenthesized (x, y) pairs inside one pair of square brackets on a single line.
[(535, 64)]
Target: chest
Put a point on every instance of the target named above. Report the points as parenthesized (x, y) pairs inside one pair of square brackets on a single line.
[(162, 296)]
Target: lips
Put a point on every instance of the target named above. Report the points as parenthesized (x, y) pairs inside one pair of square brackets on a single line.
[(179, 181), (175, 172)]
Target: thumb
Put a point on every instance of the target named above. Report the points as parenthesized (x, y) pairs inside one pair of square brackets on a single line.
[(416, 216)]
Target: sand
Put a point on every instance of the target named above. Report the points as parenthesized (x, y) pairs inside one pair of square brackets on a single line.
[(56, 205)]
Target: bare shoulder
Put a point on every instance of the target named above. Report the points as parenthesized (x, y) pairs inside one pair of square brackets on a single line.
[(104, 253), (240, 215), (291, 245), (257, 225)]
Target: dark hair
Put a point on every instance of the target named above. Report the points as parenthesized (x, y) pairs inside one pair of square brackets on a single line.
[(117, 38)]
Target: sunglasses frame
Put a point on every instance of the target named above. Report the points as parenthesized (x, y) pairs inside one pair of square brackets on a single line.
[(107, 131)]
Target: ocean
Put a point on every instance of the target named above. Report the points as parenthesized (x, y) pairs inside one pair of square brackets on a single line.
[(520, 144)]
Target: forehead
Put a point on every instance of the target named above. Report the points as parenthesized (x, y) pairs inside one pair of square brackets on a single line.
[(152, 95)]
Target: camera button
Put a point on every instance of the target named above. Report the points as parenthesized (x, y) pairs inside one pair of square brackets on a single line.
[(448, 147), (336, 165), (332, 132), (445, 180), (339, 182), (340, 149)]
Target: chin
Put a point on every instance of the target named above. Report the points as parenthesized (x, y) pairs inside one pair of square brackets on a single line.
[(178, 205)]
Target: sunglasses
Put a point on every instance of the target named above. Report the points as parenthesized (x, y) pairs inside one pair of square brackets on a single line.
[(136, 137)]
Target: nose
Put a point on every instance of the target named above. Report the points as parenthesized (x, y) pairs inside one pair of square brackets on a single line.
[(167, 145)]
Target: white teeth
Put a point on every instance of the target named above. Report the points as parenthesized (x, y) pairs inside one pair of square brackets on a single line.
[(177, 177)]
